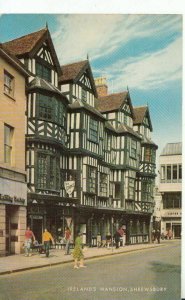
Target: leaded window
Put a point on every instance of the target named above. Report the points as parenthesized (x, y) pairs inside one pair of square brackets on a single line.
[(43, 72), (45, 107), (91, 179), (93, 130), (48, 172), (84, 95), (131, 188), (133, 149), (146, 191), (149, 154), (103, 185)]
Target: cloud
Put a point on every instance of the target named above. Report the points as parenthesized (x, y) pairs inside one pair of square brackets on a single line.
[(149, 70), (100, 35)]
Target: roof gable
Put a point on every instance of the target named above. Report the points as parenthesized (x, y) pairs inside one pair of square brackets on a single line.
[(140, 113), (114, 102), (28, 45), (74, 73)]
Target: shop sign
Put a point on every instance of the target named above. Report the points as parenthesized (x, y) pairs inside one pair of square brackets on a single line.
[(69, 186)]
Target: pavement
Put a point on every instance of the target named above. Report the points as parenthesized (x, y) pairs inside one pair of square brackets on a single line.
[(18, 262)]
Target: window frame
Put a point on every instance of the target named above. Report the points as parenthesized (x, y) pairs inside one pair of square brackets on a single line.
[(9, 83), (103, 184), (133, 149), (93, 130), (91, 179), (8, 143), (40, 71)]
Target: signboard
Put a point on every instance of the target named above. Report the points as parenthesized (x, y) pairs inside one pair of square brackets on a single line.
[(69, 186)]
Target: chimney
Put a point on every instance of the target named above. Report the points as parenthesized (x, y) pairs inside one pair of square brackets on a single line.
[(101, 86)]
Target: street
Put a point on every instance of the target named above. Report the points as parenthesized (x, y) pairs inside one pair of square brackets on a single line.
[(144, 274)]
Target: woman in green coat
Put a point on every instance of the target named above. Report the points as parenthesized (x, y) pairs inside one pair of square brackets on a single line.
[(78, 252)]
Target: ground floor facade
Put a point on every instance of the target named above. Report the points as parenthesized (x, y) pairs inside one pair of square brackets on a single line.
[(13, 212), (95, 223)]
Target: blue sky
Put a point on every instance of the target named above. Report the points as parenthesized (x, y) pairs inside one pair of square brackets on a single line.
[(143, 52)]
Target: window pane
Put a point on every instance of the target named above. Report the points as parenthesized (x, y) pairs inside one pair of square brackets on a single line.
[(174, 172), (8, 133), (168, 172), (180, 171)]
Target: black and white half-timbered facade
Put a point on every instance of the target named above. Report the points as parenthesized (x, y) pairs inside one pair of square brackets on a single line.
[(90, 160)]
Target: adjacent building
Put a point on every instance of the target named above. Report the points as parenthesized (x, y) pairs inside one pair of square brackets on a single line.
[(90, 160), (13, 187), (170, 188)]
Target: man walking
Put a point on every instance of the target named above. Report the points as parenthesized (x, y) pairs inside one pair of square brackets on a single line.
[(46, 238)]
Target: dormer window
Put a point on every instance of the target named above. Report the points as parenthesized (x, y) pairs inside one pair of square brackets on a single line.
[(43, 72)]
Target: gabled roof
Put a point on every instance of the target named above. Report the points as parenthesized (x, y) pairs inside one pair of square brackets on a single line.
[(13, 60), (79, 104), (27, 45), (126, 129), (146, 141), (172, 149), (73, 72), (42, 84), (140, 112), (113, 102)]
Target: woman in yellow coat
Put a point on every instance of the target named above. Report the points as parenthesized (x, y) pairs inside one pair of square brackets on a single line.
[(46, 238), (78, 252)]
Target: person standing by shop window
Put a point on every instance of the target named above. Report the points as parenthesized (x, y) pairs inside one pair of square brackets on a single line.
[(28, 241), (46, 238), (68, 239)]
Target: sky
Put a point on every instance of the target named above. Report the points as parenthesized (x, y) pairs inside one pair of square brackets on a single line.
[(141, 52)]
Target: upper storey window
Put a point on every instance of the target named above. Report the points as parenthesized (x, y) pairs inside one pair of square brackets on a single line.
[(133, 149), (84, 95), (8, 83), (149, 154), (93, 130), (8, 138), (43, 72), (45, 107), (51, 109)]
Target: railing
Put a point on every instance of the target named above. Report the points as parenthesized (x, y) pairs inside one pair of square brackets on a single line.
[(139, 238)]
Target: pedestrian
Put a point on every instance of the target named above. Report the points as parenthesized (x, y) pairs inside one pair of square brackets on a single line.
[(170, 234), (158, 235), (68, 239), (46, 238), (153, 235), (117, 239), (78, 252), (29, 236)]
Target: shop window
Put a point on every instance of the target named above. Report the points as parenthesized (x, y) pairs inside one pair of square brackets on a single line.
[(8, 83), (8, 137)]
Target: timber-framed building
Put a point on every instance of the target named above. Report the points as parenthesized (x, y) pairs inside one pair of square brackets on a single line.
[(90, 159)]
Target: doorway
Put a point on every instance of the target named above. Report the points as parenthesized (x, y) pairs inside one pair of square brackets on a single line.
[(37, 228)]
